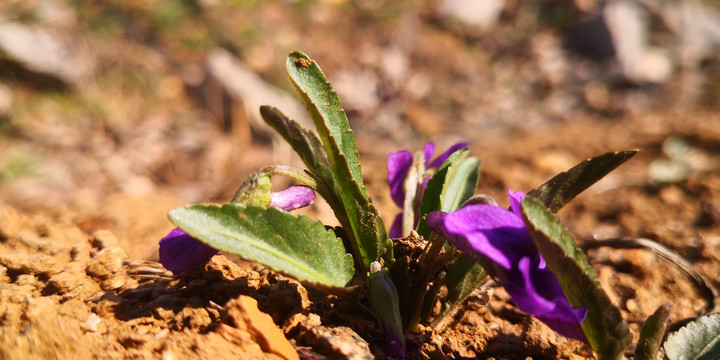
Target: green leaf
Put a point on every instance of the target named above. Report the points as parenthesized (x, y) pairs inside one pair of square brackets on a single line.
[(366, 230), (565, 186), (432, 196), (652, 333), (604, 327), (291, 244), (303, 141), (307, 145), (463, 276), (327, 113), (699, 340), (460, 184)]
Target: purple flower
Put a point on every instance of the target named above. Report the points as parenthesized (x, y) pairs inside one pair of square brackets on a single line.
[(398, 167), (498, 239), (180, 252)]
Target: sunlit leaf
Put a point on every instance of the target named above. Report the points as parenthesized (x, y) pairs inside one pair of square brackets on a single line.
[(432, 196), (652, 333), (698, 340), (604, 327), (461, 182), (366, 230), (565, 186), (311, 151), (288, 243)]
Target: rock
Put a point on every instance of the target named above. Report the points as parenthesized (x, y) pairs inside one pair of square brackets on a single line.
[(45, 50), (336, 343), (39, 264), (480, 15), (244, 314), (107, 267), (103, 239)]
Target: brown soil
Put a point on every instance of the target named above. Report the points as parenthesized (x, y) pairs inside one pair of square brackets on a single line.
[(78, 271)]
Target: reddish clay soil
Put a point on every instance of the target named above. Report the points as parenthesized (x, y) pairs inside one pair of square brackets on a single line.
[(96, 167)]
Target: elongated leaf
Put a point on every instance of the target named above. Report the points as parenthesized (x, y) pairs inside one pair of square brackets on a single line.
[(432, 199), (698, 340), (291, 244), (366, 230), (460, 184), (604, 327), (564, 187), (327, 113), (652, 333), (311, 151), (303, 141)]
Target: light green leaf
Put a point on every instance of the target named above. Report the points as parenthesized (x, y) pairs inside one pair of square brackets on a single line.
[(291, 244), (365, 228), (564, 187), (604, 327), (698, 340), (460, 183), (432, 196)]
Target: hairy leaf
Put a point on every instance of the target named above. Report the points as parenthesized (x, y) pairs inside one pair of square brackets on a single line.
[(698, 340), (368, 236), (652, 333), (565, 186), (311, 151), (327, 113), (291, 244), (604, 327)]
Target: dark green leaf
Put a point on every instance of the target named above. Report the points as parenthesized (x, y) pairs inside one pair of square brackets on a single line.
[(564, 187), (366, 230), (311, 151), (604, 327), (652, 333), (463, 276), (291, 244), (699, 340), (303, 141), (431, 200)]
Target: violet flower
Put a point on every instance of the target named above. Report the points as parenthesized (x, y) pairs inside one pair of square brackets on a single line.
[(498, 239), (180, 252), (398, 167)]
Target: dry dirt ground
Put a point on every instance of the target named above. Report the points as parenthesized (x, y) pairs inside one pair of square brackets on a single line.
[(89, 172)]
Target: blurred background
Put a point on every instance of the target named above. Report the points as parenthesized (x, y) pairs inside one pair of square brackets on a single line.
[(113, 112)]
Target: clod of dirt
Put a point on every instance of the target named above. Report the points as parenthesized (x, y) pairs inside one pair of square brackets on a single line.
[(244, 314), (336, 343)]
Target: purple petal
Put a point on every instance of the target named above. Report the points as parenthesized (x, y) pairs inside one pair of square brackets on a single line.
[(428, 152), (180, 252), (444, 156), (395, 231), (494, 235), (396, 348), (292, 198), (486, 230), (516, 199), (398, 166)]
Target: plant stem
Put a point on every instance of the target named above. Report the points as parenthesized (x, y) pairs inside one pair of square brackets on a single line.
[(428, 267)]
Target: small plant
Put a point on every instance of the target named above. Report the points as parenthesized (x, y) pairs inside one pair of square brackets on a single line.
[(445, 237)]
